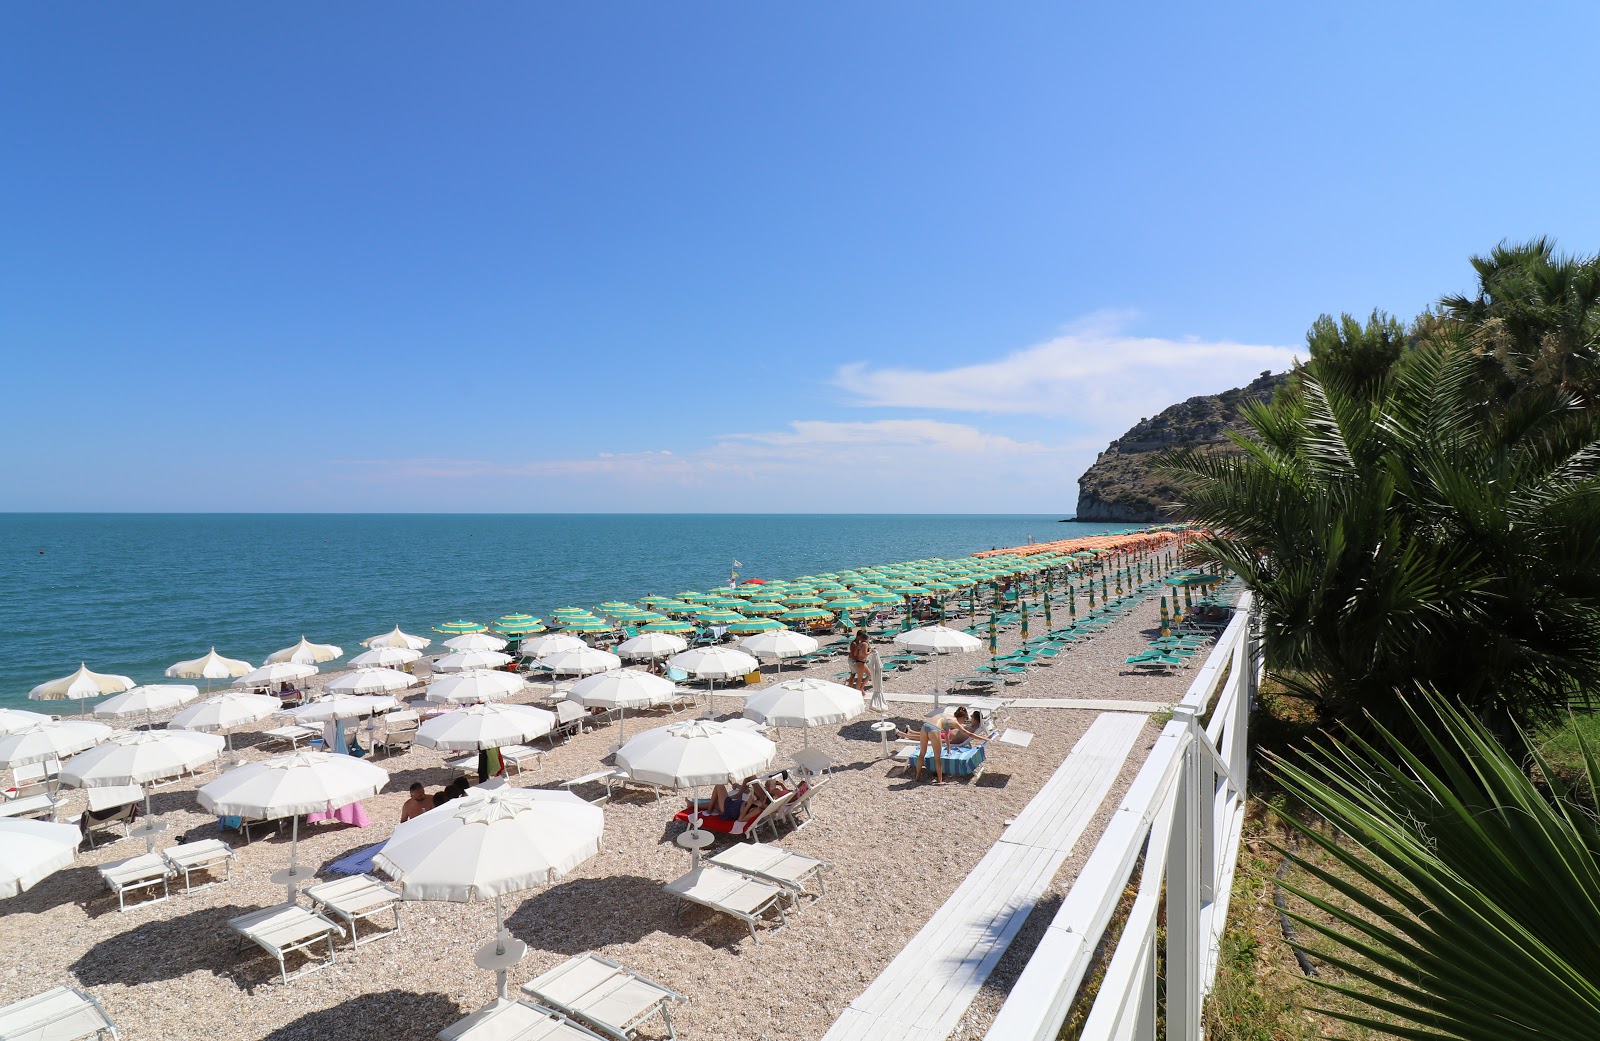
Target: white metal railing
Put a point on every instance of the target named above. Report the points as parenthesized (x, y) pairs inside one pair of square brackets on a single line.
[(1183, 813)]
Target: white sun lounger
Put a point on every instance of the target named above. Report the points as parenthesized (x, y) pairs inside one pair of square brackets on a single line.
[(292, 735), (285, 928), (59, 1014), (609, 998), (356, 899), (504, 1020), (772, 864), (205, 855), (741, 896), (29, 806), (145, 871)]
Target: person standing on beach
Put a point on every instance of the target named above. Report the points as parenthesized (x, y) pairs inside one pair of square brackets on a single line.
[(859, 652)]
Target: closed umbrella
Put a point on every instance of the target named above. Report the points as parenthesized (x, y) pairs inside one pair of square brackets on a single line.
[(649, 646), (31, 851), (55, 739), (461, 661), (694, 753), (620, 690), (146, 700), (306, 653), (473, 685), (875, 671), (385, 658), (80, 685), (396, 638), (492, 843), (277, 672), (476, 642), (142, 757), (15, 719), (224, 712), (779, 644), (713, 663), (937, 640), (209, 666), (289, 785), (804, 703)]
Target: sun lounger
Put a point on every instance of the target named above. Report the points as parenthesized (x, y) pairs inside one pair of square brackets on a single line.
[(395, 742), (59, 1014), (604, 777), (285, 928), (771, 864), (729, 892), (605, 996), (802, 801), (205, 855), (503, 1020), (292, 735), (29, 806), (356, 899), (767, 817), (146, 871)]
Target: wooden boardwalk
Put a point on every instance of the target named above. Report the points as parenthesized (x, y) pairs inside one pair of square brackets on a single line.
[(922, 994)]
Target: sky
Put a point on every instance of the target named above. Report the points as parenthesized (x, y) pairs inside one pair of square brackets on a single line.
[(723, 257)]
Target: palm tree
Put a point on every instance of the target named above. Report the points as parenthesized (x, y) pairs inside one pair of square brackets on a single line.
[(1471, 900), (1395, 537)]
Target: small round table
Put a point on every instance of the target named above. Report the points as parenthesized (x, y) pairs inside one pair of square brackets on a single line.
[(884, 728), (694, 840), (498, 956)]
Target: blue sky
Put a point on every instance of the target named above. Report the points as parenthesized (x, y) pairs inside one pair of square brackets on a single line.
[(872, 257)]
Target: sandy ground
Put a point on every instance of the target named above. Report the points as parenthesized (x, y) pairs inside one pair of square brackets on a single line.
[(897, 850)]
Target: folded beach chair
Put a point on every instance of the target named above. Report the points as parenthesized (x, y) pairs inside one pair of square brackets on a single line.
[(781, 867), (609, 998), (729, 892), (59, 1014), (284, 929), (205, 855), (146, 871), (357, 899), (503, 1020)]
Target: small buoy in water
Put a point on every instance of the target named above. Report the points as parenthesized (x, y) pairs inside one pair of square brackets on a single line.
[(41, 552)]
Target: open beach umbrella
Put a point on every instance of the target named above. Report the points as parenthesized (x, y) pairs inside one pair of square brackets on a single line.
[(462, 688), (492, 843), (584, 662), (542, 645), (694, 753), (80, 685), (937, 640), (666, 627), (384, 658), (55, 739), (146, 700), (479, 727), (476, 642), (31, 851), (586, 625), (277, 672), (804, 703), (344, 706), (396, 638), (224, 712), (461, 661), (209, 666), (622, 689), (370, 681), (457, 628), (142, 757), (754, 625), (713, 663), (779, 644), (15, 719), (517, 625), (306, 653), (649, 646)]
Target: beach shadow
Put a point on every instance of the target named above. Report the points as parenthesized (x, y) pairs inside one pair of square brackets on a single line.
[(166, 949), (589, 913), (992, 780), (395, 1015)]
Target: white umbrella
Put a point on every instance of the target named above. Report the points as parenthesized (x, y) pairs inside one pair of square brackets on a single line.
[(345, 706), (56, 739), (80, 685), (369, 681), (396, 638), (804, 703), (779, 644), (475, 685), (490, 844), (224, 712), (145, 700), (32, 850), (550, 643), (277, 672), (385, 657), (15, 719), (209, 666), (585, 662), (479, 727), (141, 757), (694, 753), (937, 640), (650, 646), (713, 663), (461, 661), (306, 653), (622, 689), (476, 642), (289, 785)]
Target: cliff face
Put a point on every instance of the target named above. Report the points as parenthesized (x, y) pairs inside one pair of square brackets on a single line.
[(1122, 484)]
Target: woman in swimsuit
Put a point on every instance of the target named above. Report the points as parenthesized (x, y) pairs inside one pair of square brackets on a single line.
[(938, 730), (858, 661)]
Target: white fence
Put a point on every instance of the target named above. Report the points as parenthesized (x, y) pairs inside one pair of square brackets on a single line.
[(1183, 814)]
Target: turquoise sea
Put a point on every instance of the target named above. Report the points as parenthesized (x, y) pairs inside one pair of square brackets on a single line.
[(133, 593)]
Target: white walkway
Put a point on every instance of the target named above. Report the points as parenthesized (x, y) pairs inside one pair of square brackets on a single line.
[(923, 993)]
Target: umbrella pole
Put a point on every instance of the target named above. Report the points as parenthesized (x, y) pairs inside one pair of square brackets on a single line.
[(291, 877)]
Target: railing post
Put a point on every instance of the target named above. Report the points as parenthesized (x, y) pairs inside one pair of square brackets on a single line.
[(1184, 956)]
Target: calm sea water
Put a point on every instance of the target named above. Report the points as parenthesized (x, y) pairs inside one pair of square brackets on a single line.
[(133, 593)]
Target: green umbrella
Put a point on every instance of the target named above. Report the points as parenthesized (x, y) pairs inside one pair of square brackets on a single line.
[(763, 609), (719, 617), (1024, 606), (729, 603), (804, 614), (652, 601), (804, 600), (631, 614), (518, 626), (616, 605), (458, 628), (586, 625), (572, 612), (848, 603), (754, 625), (667, 626)]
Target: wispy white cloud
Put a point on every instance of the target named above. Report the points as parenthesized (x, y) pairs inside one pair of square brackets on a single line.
[(1094, 371)]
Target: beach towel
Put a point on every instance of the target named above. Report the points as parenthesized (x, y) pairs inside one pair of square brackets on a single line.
[(357, 863)]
